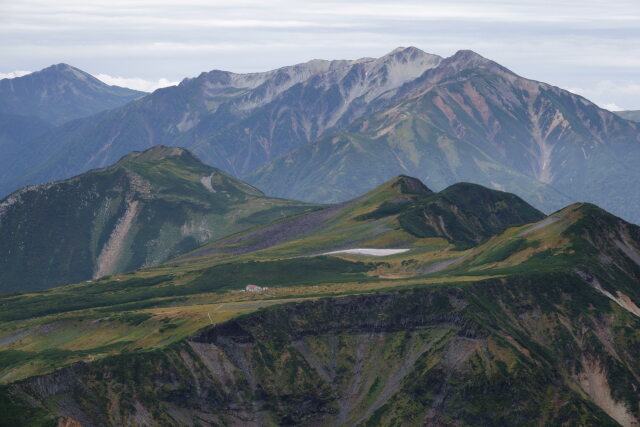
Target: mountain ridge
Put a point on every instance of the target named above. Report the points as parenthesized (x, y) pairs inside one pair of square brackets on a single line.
[(401, 212), (196, 113), (464, 124), (146, 208), (633, 115), (322, 124), (537, 324), (60, 93)]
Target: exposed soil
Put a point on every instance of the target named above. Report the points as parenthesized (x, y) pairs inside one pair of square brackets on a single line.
[(110, 255), (594, 382)]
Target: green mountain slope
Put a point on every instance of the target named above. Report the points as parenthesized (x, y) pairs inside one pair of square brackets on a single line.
[(145, 209), (402, 212), (348, 163), (439, 356), (541, 350), (469, 119), (531, 324), (60, 93), (601, 248)]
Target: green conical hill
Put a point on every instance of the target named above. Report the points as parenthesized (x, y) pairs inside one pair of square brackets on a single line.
[(149, 207)]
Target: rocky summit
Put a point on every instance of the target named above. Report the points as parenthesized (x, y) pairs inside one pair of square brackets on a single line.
[(470, 119), (60, 93)]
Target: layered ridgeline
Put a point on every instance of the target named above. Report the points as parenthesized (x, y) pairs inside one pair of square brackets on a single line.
[(60, 93), (402, 212), (340, 128), (145, 209), (236, 122), (470, 119), (537, 325), (630, 115)]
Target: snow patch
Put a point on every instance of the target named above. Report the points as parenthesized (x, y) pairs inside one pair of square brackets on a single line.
[(206, 181), (368, 251)]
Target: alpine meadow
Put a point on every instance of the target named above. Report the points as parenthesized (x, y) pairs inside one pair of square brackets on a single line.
[(402, 239)]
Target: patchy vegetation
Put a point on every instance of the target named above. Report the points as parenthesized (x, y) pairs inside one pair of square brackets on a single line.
[(147, 208), (438, 334)]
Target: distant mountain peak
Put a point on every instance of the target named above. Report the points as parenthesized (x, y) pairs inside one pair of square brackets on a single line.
[(407, 50), (59, 67), (411, 53), (469, 54), (66, 71), (409, 185), (60, 93), (463, 59), (54, 68), (157, 153), (396, 50), (468, 59), (400, 188)]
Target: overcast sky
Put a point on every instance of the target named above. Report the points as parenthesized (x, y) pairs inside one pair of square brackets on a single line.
[(589, 46)]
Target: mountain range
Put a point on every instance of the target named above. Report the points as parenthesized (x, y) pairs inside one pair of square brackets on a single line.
[(321, 125), (236, 122), (444, 268), (491, 313), (469, 119)]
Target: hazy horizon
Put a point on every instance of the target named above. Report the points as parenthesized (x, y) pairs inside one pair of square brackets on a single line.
[(589, 47)]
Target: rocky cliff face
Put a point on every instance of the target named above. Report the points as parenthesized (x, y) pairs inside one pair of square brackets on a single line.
[(529, 351), (470, 119), (338, 128), (236, 122)]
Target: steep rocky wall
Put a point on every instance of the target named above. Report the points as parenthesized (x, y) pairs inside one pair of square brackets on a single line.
[(496, 353)]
